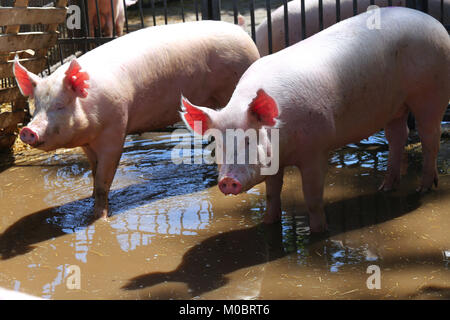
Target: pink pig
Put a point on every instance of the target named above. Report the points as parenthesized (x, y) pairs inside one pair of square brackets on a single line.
[(131, 85), (329, 18), (105, 14), (338, 87)]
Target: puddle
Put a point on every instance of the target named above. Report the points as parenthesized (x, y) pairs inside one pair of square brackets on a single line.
[(173, 235)]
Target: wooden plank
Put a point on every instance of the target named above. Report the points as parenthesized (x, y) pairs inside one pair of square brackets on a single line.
[(10, 94), (47, 15), (58, 4), (34, 65), (15, 28), (53, 27), (27, 40)]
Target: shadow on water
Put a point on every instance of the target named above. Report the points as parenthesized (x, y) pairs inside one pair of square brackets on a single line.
[(73, 216), (145, 166), (205, 266), (6, 160)]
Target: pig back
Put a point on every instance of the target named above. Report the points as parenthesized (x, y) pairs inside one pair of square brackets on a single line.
[(347, 82), (143, 74)]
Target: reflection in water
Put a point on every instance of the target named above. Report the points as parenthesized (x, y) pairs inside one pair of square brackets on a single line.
[(179, 237), (83, 240)]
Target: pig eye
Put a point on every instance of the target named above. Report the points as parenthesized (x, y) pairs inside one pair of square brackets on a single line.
[(59, 107)]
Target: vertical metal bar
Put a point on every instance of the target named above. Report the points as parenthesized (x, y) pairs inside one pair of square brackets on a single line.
[(252, 19), (141, 14), (112, 19), (338, 10), (60, 54), (372, 2), (165, 11), (411, 4), (303, 18), (98, 20), (86, 24), (442, 12), (390, 3), (286, 24), (425, 6), (182, 10), (269, 26), (235, 11), (48, 63), (153, 12), (211, 9), (320, 15), (206, 10), (216, 9), (196, 9), (126, 15), (355, 7)]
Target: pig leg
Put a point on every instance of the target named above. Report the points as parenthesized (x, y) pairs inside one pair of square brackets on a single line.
[(430, 135), (92, 27), (396, 133), (430, 138), (120, 21), (108, 157), (274, 185), (92, 157), (313, 177), (428, 112), (119, 29), (108, 27)]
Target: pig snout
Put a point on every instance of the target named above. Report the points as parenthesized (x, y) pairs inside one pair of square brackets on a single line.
[(230, 185), (29, 136)]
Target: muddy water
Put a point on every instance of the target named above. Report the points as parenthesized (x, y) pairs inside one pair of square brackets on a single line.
[(173, 235)]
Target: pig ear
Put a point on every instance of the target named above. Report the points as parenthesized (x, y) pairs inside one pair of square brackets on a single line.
[(264, 109), (75, 79), (196, 118), (26, 80)]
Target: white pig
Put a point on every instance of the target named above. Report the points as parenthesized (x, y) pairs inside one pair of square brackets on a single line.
[(131, 85), (334, 88), (329, 18)]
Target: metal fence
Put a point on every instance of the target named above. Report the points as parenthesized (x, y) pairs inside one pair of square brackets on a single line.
[(145, 13)]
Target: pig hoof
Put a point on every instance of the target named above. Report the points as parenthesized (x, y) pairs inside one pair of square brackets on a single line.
[(318, 226), (389, 185), (318, 229), (424, 188), (102, 214), (271, 219)]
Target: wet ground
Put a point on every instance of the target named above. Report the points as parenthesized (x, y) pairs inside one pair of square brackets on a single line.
[(174, 235)]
